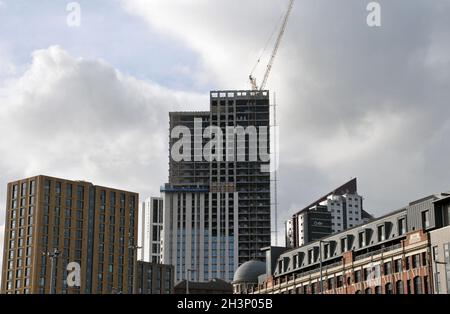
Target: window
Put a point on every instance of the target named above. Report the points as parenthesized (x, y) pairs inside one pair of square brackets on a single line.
[(366, 273), (310, 256), (416, 261), (378, 290), (330, 283), (357, 276), (424, 259), (398, 265), (407, 263), (399, 287), (69, 190), (425, 284), (387, 268), (368, 291), (401, 226), (447, 261), (314, 288), (15, 188), (339, 281), (408, 286), (388, 288), (326, 250), (344, 243), (295, 261), (417, 285), (24, 189), (381, 233), (425, 219)]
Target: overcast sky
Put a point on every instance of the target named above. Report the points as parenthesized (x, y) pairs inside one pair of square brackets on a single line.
[(91, 102)]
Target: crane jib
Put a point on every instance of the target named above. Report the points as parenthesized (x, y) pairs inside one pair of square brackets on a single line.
[(274, 52)]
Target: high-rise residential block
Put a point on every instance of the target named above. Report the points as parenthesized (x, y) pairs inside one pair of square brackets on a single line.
[(55, 225), (217, 203), (151, 221), (338, 210)]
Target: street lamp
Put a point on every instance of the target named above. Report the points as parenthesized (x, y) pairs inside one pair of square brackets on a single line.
[(135, 248), (188, 271), (320, 263), (437, 274), (53, 256)]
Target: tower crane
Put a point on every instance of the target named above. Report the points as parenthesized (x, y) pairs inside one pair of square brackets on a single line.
[(274, 52)]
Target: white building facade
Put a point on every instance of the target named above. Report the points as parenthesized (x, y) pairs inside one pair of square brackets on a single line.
[(346, 212), (151, 218), (200, 237)]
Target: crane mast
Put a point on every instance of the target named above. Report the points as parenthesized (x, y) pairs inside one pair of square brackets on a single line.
[(275, 50)]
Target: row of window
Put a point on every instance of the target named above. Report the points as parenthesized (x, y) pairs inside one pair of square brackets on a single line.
[(24, 188), (418, 285)]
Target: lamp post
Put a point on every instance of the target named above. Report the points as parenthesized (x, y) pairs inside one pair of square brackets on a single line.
[(188, 271), (320, 264), (53, 256), (135, 248), (436, 263)]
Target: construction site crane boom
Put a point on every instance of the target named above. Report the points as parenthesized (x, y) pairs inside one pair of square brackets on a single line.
[(275, 50)]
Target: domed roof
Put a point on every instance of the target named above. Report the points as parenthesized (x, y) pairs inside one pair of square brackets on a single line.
[(249, 272)]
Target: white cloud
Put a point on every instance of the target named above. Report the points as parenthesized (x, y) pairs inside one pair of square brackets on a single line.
[(227, 34), (7, 67), (353, 100), (82, 119)]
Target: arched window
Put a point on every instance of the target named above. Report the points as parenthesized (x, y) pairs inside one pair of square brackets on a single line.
[(358, 292), (417, 285), (388, 288), (377, 290), (368, 291), (399, 287)]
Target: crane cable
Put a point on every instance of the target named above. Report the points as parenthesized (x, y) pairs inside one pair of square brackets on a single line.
[(276, 28)]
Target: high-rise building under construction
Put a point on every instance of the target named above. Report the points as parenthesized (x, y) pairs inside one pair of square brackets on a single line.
[(217, 203)]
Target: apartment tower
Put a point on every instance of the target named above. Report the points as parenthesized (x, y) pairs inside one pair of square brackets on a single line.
[(51, 223), (217, 210), (151, 220)]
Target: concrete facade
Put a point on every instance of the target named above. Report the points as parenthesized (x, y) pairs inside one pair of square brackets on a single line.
[(217, 212)]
